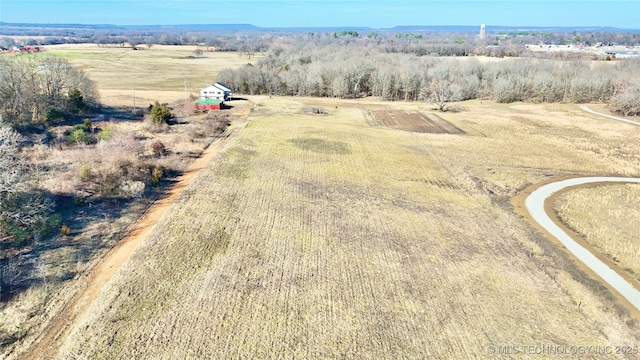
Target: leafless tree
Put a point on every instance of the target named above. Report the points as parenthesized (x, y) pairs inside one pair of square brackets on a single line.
[(627, 102), (31, 85), (443, 91), (24, 211), (11, 163)]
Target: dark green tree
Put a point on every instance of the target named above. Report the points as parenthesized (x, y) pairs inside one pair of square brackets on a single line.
[(76, 101), (160, 113)]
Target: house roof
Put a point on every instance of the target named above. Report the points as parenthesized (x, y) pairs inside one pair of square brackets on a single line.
[(208, 102), (210, 87), (222, 86)]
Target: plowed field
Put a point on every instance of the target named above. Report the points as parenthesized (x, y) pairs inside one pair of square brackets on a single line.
[(415, 121)]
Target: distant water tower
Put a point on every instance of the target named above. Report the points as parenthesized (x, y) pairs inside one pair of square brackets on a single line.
[(483, 31)]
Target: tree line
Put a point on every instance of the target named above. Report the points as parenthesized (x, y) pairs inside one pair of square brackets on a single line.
[(350, 71), (41, 88), (243, 38)]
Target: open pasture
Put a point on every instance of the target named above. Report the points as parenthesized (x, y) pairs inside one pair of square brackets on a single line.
[(324, 237), (163, 73)]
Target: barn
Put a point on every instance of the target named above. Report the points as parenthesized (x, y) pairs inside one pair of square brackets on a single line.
[(208, 104)]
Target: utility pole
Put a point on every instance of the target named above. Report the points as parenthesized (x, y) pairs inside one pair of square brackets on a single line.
[(133, 89)]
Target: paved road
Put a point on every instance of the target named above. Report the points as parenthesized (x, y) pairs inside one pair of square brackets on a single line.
[(585, 108), (535, 205)]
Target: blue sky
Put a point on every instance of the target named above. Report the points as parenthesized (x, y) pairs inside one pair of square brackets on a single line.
[(313, 13)]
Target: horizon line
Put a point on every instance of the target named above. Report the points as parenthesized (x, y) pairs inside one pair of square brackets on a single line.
[(522, 27)]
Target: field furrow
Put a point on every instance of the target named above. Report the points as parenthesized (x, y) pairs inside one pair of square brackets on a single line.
[(323, 237)]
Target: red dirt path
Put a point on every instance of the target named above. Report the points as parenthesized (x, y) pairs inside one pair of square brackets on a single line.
[(47, 344)]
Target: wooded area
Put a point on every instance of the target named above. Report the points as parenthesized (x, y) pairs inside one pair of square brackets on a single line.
[(35, 88), (355, 70)]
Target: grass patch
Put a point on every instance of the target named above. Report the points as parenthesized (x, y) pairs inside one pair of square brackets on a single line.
[(321, 146)]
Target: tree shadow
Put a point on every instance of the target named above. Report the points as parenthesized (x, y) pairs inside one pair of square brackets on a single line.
[(59, 257)]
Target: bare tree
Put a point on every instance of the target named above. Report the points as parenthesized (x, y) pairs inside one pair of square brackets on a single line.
[(24, 211), (11, 163), (627, 102), (31, 85), (442, 89)]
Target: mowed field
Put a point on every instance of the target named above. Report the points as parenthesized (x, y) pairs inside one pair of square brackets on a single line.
[(322, 236), (159, 73)]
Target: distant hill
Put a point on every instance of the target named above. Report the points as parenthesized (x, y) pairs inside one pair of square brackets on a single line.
[(498, 28), (227, 27), (89, 30), (137, 27)]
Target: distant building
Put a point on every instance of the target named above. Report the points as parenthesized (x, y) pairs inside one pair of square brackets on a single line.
[(216, 91), (30, 49), (483, 31), (553, 47), (623, 54), (208, 104)]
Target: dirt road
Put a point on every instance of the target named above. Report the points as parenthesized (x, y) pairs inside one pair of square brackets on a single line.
[(47, 344)]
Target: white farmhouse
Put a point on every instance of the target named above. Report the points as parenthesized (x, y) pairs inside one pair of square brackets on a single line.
[(216, 91)]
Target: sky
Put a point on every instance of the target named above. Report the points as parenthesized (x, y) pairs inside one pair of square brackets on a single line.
[(376, 14)]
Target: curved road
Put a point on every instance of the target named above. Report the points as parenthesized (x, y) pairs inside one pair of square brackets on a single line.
[(585, 108), (535, 205)]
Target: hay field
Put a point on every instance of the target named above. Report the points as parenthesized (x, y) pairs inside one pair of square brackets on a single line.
[(323, 237), (158, 73), (607, 218)]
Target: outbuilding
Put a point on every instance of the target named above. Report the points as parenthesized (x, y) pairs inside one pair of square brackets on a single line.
[(208, 104)]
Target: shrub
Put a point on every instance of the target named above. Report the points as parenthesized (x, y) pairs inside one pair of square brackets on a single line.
[(65, 230), (108, 182), (78, 136), (160, 113), (158, 148), (79, 201), (106, 133), (156, 175), (53, 115), (86, 123), (85, 172), (129, 188), (76, 101)]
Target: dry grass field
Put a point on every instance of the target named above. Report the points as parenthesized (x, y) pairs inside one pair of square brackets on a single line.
[(607, 218), (156, 73), (49, 272), (346, 236), (325, 237)]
